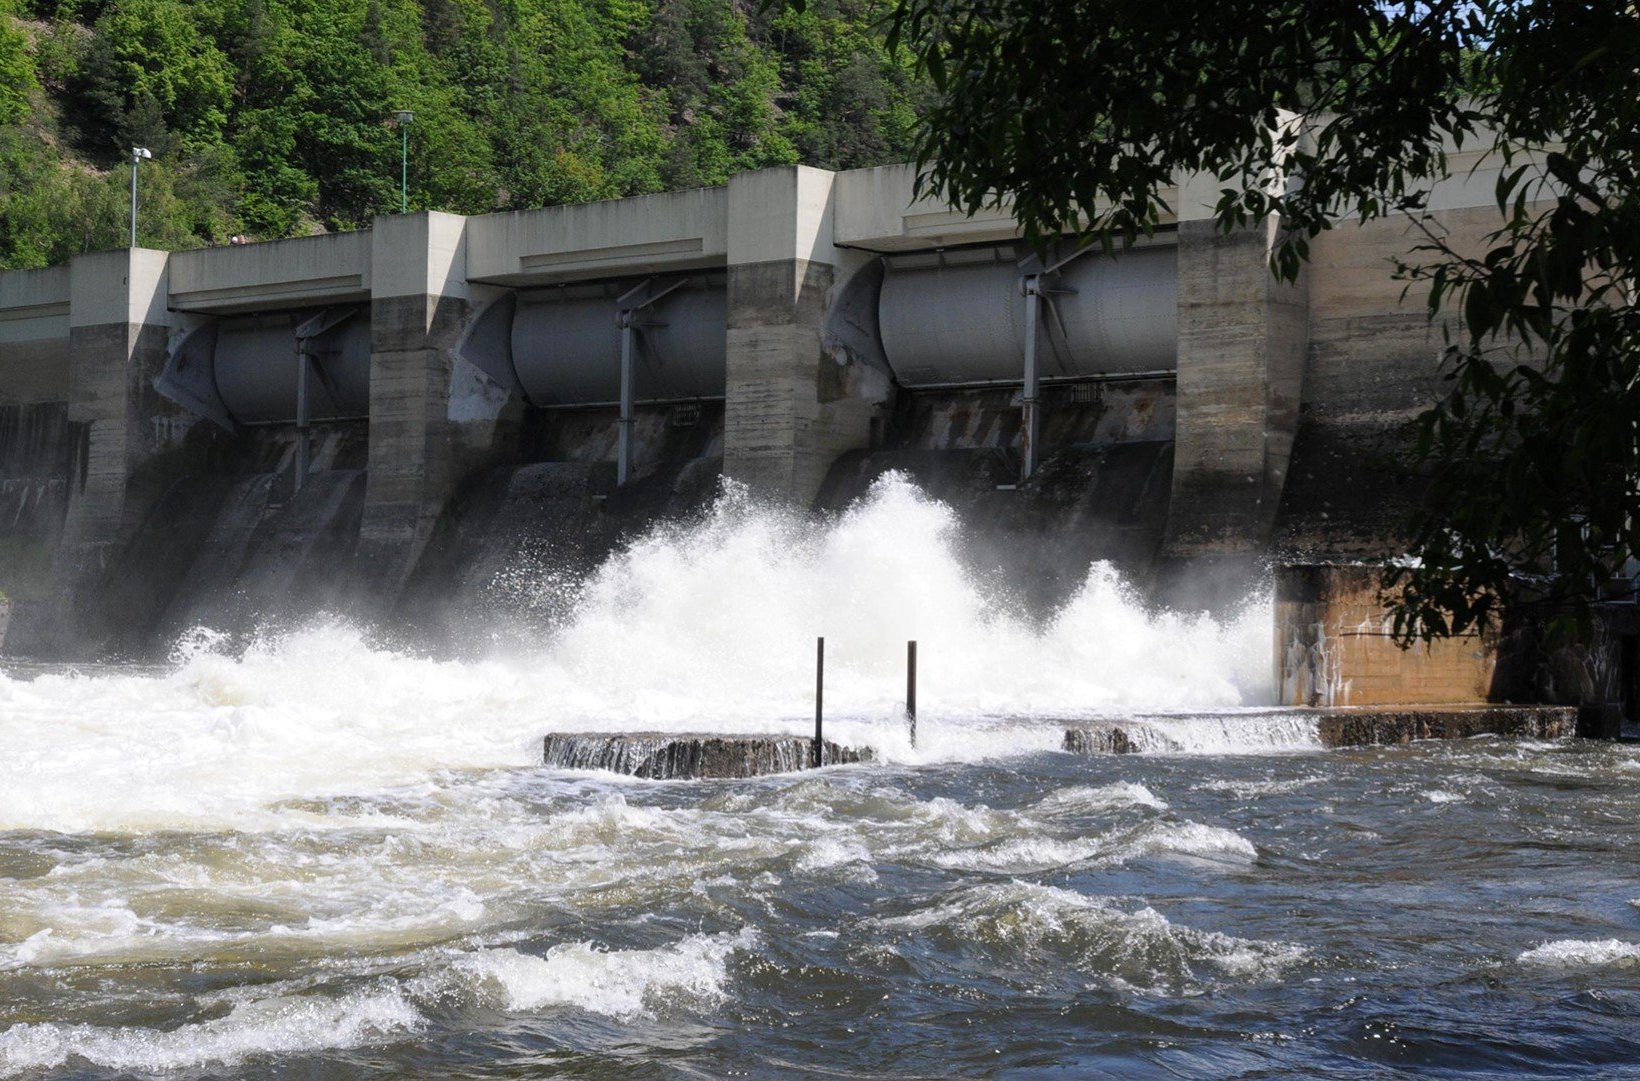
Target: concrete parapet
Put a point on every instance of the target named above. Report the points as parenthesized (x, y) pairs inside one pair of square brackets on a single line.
[(1333, 647), (685, 230), (307, 271)]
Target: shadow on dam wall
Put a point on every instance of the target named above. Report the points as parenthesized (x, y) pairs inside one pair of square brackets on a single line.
[(238, 547), (506, 558), (233, 547)]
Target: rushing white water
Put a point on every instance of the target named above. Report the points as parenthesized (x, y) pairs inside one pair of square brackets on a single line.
[(708, 626)]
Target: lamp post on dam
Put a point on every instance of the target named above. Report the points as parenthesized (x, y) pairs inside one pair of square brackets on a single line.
[(139, 154), (403, 118)]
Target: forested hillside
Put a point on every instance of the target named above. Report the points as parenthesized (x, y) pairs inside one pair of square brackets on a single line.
[(275, 117)]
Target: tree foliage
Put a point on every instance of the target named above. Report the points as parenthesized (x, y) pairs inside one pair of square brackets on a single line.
[(273, 117), (1084, 112)]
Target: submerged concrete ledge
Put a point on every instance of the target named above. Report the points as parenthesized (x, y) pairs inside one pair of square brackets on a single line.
[(687, 756), (1347, 726)]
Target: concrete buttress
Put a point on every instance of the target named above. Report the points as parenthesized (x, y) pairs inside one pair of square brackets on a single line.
[(787, 416), (1243, 339), (419, 305)]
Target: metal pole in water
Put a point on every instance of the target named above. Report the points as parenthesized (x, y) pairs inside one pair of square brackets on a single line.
[(819, 698), (911, 689)]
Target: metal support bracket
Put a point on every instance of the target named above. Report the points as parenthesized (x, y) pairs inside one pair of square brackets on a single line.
[(627, 307), (1038, 285), (306, 365)]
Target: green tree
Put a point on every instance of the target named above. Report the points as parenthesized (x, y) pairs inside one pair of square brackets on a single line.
[(17, 76), (273, 117), (1085, 111), (157, 80)]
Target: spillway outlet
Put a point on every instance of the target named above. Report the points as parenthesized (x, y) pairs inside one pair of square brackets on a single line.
[(663, 756)]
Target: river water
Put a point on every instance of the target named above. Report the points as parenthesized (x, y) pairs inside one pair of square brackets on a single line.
[(316, 855)]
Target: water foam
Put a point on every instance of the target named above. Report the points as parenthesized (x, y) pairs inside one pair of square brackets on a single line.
[(284, 1025), (1574, 953), (616, 983)]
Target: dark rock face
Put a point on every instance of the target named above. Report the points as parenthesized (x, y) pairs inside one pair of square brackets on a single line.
[(1342, 727), (1109, 738), (1363, 728), (666, 756)]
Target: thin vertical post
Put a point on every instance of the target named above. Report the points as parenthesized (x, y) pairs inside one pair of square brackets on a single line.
[(133, 199), (1030, 419), (623, 450), (301, 412), (404, 168), (819, 700), (911, 690)]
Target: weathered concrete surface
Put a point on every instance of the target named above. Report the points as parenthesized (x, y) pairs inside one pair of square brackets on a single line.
[(1242, 343), (683, 230), (1334, 647), (1371, 727), (1373, 365), (683, 756), (788, 412), (1344, 727), (130, 446), (420, 304), (300, 272)]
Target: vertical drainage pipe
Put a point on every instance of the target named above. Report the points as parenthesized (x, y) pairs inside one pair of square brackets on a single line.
[(301, 411), (1030, 419), (623, 451), (645, 294)]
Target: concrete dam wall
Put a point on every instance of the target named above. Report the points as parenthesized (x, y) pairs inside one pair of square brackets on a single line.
[(385, 421)]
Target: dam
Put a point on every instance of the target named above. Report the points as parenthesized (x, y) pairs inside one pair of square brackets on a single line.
[(384, 424)]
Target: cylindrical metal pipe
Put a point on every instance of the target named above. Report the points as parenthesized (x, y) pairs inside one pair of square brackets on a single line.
[(566, 346), (911, 690), (819, 700), (1031, 415), (301, 413), (623, 452), (960, 322)]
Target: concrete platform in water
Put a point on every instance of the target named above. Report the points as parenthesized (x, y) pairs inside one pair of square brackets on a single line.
[(1344, 726), (692, 756), (687, 756)]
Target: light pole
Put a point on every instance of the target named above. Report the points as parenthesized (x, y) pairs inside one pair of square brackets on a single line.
[(404, 117), (138, 154)]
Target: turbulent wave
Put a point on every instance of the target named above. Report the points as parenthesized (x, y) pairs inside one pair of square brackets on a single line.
[(619, 983), (579, 975), (1574, 953), (283, 1025), (1028, 926), (710, 625)]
